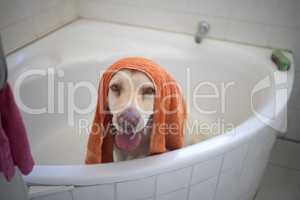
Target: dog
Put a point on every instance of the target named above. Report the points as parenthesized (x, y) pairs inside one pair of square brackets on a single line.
[(140, 112), (131, 104)]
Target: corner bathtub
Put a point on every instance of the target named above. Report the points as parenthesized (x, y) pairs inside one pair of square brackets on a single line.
[(228, 166)]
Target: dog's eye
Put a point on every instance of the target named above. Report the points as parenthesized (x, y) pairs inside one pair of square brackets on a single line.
[(116, 88), (148, 91)]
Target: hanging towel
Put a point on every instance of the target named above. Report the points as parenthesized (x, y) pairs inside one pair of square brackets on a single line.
[(167, 98), (14, 145), (6, 161)]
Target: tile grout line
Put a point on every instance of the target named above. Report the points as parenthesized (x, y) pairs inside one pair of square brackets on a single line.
[(243, 166), (190, 182), (284, 167), (115, 191), (219, 177), (155, 189), (286, 139)]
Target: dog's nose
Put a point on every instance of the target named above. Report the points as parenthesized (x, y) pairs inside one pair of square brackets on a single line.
[(128, 119)]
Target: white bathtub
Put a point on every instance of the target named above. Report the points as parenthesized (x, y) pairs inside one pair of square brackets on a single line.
[(227, 167)]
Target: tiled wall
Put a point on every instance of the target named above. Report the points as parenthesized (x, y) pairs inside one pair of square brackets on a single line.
[(22, 21), (233, 175), (262, 22), (271, 23)]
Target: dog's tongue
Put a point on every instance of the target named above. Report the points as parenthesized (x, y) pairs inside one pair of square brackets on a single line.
[(127, 142)]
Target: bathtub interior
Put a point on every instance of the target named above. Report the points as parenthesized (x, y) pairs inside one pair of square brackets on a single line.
[(56, 141)]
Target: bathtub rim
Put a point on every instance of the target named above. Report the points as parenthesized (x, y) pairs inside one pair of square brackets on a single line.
[(108, 173), (97, 174)]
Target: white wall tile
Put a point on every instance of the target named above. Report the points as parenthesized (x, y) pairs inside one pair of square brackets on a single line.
[(97, 192), (67, 11), (138, 189), (167, 5), (214, 8), (242, 31), (282, 37), (57, 196), (22, 21), (206, 170), (17, 34), (287, 13), (235, 158), (142, 16), (260, 147), (251, 174), (228, 186), (177, 5), (177, 195), (262, 11), (46, 21), (41, 5), (204, 190), (11, 11), (172, 181)]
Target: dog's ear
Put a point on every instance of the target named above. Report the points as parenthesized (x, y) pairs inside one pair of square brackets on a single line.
[(95, 140), (100, 142), (171, 117), (176, 122)]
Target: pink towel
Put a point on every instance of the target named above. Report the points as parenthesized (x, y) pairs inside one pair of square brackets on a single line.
[(14, 145)]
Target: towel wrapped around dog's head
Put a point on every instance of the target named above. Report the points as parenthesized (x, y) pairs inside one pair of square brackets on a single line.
[(169, 114)]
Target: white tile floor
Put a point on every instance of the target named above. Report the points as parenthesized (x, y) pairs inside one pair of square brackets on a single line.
[(282, 176)]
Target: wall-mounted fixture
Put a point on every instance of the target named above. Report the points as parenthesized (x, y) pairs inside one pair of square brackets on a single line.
[(202, 30)]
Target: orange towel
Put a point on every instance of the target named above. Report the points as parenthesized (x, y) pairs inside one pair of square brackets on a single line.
[(169, 112)]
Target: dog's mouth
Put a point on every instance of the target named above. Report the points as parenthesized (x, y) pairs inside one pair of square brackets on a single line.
[(129, 140)]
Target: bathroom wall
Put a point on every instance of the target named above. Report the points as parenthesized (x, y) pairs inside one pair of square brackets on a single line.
[(262, 22), (269, 23), (294, 104), (22, 21)]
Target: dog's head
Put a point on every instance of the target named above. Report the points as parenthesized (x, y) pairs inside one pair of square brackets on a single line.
[(131, 97), (131, 103)]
